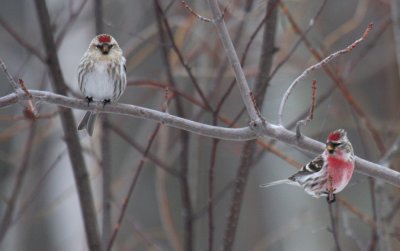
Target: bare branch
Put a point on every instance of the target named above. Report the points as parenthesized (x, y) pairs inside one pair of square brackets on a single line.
[(318, 65), (237, 134)]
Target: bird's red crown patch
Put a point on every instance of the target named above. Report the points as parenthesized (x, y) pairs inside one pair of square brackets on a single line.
[(104, 39), (335, 136)]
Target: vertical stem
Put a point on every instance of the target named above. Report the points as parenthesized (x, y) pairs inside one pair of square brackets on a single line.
[(184, 137), (70, 134)]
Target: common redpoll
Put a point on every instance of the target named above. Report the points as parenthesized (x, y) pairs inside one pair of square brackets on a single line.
[(327, 174), (101, 75)]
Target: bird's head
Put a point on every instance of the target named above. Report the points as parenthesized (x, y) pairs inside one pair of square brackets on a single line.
[(338, 141), (105, 45)]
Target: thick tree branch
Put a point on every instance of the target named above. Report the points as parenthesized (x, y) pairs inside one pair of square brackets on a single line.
[(237, 134)]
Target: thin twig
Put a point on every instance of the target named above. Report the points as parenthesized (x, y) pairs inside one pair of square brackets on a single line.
[(156, 160), (8, 214), (319, 65), (10, 78), (21, 40), (311, 24), (181, 59), (71, 20), (186, 5), (35, 190), (131, 188), (338, 81)]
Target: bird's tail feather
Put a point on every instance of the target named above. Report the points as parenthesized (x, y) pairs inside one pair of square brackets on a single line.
[(88, 122), (280, 182), (84, 121)]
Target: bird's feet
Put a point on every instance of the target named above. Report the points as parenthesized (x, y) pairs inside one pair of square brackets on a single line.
[(106, 101), (331, 198), (89, 100)]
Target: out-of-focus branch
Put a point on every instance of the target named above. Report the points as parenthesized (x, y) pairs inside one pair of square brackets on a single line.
[(21, 40), (395, 11), (187, 208), (70, 134), (131, 188), (8, 214), (238, 134)]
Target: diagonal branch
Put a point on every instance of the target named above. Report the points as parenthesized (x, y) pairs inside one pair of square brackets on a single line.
[(233, 60)]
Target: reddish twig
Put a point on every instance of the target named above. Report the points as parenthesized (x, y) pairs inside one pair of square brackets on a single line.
[(180, 57), (131, 188), (158, 162), (338, 82), (323, 62)]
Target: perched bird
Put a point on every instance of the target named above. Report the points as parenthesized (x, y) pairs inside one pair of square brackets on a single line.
[(327, 174), (101, 75)]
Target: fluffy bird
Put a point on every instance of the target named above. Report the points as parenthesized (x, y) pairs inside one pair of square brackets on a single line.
[(101, 75), (327, 174)]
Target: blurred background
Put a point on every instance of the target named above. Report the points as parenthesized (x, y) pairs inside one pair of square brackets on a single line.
[(193, 192)]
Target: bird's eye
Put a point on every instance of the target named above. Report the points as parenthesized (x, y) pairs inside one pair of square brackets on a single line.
[(98, 46), (335, 144), (111, 45)]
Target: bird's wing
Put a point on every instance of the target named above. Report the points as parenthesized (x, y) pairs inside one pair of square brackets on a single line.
[(313, 166)]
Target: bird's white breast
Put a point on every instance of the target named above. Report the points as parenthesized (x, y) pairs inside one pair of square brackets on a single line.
[(99, 84)]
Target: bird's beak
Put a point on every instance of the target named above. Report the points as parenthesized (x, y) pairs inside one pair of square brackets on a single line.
[(330, 147), (105, 48)]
